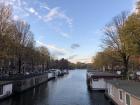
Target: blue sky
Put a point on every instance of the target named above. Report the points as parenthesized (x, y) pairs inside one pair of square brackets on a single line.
[(69, 28)]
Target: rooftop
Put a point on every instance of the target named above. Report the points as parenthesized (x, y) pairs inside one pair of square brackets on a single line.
[(129, 86), (102, 74), (4, 82)]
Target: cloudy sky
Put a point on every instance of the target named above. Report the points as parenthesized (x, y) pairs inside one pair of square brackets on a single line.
[(69, 28)]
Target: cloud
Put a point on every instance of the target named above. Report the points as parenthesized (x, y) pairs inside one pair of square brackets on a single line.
[(33, 11), (53, 13), (53, 49), (65, 35), (81, 59), (18, 6), (56, 13), (72, 57), (15, 17), (45, 7), (24, 7), (98, 32), (74, 46), (39, 9), (61, 33)]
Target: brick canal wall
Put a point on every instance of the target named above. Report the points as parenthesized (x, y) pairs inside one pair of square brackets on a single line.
[(24, 84)]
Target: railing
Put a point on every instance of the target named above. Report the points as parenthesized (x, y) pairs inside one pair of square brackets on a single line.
[(20, 76)]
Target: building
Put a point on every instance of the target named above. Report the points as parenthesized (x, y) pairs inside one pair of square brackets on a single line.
[(123, 92), (96, 80), (5, 89), (137, 8)]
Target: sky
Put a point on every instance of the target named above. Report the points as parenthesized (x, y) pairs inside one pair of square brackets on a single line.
[(70, 29)]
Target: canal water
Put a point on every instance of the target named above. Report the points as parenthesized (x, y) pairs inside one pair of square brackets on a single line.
[(68, 90)]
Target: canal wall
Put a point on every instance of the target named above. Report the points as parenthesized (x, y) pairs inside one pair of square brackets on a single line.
[(24, 84)]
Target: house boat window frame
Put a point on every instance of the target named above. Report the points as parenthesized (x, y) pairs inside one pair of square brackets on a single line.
[(1, 90), (111, 89), (120, 95), (95, 79), (129, 98)]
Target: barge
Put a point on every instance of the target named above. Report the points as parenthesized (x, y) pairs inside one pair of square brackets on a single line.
[(123, 92), (6, 89), (96, 79), (14, 84)]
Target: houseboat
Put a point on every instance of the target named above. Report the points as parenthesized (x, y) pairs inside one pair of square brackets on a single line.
[(123, 92), (96, 79), (5, 89), (65, 71), (51, 75), (56, 72)]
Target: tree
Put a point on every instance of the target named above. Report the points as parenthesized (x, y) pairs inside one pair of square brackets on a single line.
[(7, 36), (17, 45), (24, 39), (45, 57), (5, 16), (131, 33), (116, 42), (63, 64), (106, 60)]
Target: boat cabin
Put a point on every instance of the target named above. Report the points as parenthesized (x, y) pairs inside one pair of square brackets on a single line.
[(123, 92), (5, 89), (96, 79)]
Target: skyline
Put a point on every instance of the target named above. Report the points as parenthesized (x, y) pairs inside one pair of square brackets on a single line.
[(67, 29)]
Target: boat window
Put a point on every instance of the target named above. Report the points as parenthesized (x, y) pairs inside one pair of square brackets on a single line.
[(120, 95), (95, 79), (111, 90), (127, 99), (1, 90)]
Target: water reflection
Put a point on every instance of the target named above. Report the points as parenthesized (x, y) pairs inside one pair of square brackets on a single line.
[(68, 90)]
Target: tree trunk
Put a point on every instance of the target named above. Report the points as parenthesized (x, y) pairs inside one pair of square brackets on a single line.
[(126, 62), (19, 65), (32, 66)]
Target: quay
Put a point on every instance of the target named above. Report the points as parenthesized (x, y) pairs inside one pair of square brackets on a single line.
[(10, 85), (70, 89), (116, 90)]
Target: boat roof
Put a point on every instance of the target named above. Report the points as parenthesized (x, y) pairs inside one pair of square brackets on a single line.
[(102, 74), (4, 82), (129, 86)]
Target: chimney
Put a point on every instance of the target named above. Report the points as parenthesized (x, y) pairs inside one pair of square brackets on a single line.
[(137, 8)]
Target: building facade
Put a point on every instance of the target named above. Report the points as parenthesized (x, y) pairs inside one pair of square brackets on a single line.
[(123, 92)]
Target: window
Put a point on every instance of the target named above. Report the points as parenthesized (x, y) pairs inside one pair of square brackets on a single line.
[(121, 95), (111, 90), (1, 90), (108, 89), (95, 79), (127, 99)]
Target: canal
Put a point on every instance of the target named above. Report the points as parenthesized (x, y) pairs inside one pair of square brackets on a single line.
[(68, 90)]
